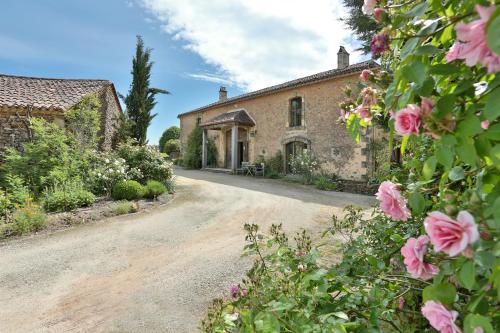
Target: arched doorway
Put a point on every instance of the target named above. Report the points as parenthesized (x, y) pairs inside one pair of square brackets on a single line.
[(291, 149)]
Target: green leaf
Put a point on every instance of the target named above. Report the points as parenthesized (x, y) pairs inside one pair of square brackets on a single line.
[(467, 275), (442, 292), (265, 322), (415, 72), (418, 10), (427, 87), (493, 132), (444, 156), (457, 173), (409, 47), (492, 107), (466, 150), (469, 126), (492, 29), (445, 105), (417, 202), (472, 321), (429, 168), (426, 50), (444, 69), (495, 155)]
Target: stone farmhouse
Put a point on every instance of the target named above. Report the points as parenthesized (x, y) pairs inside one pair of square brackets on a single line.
[(288, 117), (24, 97)]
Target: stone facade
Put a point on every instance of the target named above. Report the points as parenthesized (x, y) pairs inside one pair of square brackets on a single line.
[(14, 111), (320, 130)]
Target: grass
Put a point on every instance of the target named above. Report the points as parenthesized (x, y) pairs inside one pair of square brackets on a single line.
[(124, 207)]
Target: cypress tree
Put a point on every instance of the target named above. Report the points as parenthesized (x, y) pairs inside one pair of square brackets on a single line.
[(363, 26), (140, 100)]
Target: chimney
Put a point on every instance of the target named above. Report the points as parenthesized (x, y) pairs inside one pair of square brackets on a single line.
[(222, 94), (342, 58)]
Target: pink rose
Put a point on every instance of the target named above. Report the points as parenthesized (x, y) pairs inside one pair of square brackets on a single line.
[(440, 318), (450, 236), (413, 252), (401, 303), (392, 202), (408, 120), (368, 7), (485, 124), (472, 46), (364, 113), (365, 75), (377, 14), (379, 43), (369, 96)]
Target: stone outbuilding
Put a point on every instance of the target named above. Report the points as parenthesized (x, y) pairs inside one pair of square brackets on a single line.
[(22, 97), (288, 117)]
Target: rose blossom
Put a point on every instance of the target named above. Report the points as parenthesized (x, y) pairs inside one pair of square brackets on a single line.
[(380, 43), (401, 303), (365, 75), (364, 113), (471, 45), (377, 14), (413, 252), (426, 105), (485, 124), (408, 120), (369, 96), (368, 7), (234, 291), (392, 202), (440, 318), (448, 235)]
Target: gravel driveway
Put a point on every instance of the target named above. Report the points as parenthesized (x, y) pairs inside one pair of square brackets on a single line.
[(156, 271)]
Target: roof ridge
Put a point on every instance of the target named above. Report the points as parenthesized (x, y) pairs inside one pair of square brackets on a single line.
[(289, 84), (51, 79)]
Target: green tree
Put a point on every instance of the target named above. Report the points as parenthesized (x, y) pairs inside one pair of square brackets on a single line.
[(192, 156), (172, 146), (140, 100), (363, 26), (171, 133)]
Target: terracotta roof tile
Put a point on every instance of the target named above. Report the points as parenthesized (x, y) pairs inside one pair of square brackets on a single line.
[(44, 93), (291, 84)]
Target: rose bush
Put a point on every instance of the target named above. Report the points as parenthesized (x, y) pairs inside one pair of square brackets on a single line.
[(428, 257)]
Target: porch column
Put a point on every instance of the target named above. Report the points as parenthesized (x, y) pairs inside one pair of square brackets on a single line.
[(204, 149), (234, 147)]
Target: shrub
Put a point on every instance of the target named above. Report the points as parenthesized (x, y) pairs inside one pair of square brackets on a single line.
[(5, 205), (66, 197), (82, 122), (324, 184), (145, 162), (192, 155), (107, 170), (304, 164), (171, 133), (124, 207), (172, 147), (128, 190), (28, 218), (154, 189), (273, 165)]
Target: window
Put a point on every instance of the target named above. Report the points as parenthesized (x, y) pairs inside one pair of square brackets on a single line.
[(198, 121), (295, 112)]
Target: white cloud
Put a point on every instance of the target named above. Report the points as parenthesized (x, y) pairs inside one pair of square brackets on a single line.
[(258, 42), (211, 78)]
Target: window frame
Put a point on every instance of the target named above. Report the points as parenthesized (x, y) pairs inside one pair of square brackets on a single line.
[(296, 115)]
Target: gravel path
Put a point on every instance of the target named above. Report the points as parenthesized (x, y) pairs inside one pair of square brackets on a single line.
[(153, 272)]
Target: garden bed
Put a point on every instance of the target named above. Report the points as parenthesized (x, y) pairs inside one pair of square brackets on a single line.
[(103, 208)]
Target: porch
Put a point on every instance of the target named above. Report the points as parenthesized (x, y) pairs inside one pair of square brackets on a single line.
[(234, 127)]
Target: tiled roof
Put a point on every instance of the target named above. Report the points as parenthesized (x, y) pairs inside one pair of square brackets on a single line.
[(240, 116), (43, 93), (291, 84)]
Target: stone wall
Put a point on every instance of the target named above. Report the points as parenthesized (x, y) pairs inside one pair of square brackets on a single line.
[(13, 121), (328, 139)]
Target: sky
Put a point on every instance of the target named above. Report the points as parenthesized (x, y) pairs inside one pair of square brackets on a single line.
[(198, 45)]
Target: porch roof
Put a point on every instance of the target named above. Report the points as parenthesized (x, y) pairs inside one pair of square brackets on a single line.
[(239, 117)]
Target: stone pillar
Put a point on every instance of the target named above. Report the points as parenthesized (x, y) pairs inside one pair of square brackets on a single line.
[(234, 147), (204, 149)]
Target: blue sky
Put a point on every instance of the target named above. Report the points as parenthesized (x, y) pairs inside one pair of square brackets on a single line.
[(197, 44)]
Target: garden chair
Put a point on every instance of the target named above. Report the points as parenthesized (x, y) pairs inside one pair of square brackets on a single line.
[(259, 169), (243, 169)]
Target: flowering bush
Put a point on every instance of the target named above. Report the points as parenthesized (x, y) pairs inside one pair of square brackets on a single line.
[(145, 163), (428, 257), (107, 170), (304, 164)]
